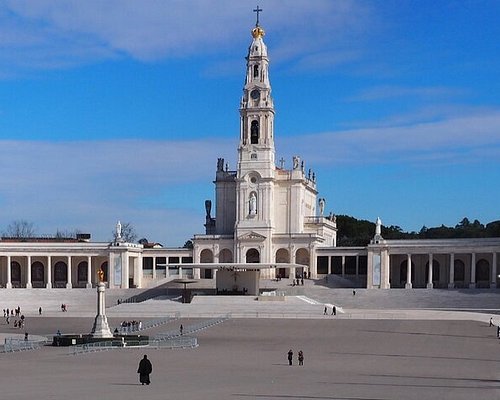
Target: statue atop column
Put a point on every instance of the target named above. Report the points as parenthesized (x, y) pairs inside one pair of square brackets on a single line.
[(321, 206), (118, 233)]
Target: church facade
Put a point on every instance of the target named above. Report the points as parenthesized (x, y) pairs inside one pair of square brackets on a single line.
[(269, 222)]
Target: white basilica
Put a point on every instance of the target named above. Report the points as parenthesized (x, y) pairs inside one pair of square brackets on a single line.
[(268, 222)]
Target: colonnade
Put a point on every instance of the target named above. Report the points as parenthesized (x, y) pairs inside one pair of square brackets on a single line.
[(493, 270)]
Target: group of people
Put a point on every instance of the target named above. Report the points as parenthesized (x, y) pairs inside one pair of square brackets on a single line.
[(64, 308), (130, 326), (12, 312), (298, 281), (300, 357), (334, 310)]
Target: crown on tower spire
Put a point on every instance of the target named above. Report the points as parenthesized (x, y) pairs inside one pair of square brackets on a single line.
[(257, 32)]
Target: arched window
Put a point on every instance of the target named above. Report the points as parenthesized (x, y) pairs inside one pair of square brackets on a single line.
[(254, 132), (255, 71)]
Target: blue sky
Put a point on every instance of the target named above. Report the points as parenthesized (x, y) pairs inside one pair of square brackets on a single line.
[(117, 110)]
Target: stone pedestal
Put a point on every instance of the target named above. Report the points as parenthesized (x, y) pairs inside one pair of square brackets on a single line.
[(101, 327)]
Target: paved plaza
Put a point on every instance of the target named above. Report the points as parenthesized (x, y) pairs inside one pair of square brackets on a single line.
[(358, 354)]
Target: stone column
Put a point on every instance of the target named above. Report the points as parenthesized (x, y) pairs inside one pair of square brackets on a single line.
[(385, 269), (9, 273), (430, 285), (357, 266), (493, 282), (28, 273), (472, 284), (343, 266), (125, 270), (451, 283), (101, 327), (89, 272), (68, 283), (154, 268), (49, 272), (409, 284), (329, 264)]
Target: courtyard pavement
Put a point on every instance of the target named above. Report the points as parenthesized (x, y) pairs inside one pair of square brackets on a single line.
[(364, 352)]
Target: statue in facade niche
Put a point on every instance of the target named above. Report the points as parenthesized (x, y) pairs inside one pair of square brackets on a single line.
[(296, 161), (252, 204)]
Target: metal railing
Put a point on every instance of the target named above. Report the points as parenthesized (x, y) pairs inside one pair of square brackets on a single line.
[(191, 328), (15, 344), (182, 342)]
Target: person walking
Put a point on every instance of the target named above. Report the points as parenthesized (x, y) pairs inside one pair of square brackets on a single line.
[(181, 329), (40, 311), (301, 357), (145, 368), (325, 310), (290, 357), (334, 310)]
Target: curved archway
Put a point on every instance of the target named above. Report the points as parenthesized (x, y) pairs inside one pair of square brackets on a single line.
[(302, 258), (60, 274), (283, 256), (82, 271), (37, 274), (483, 273), (226, 256), (459, 273), (206, 257), (15, 274), (104, 268), (253, 256)]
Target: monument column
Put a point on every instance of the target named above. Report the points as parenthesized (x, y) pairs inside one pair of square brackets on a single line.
[(343, 266), (49, 272), (451, 283), (472, 284), (9, 273), (68, 283), (493, 281), (28, 273), (409, 284), (430, 285), (89, 272), (101, 327)]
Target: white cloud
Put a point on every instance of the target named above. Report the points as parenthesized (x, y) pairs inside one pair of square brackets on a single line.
[(457, 139), (75, 31), (390, 92)]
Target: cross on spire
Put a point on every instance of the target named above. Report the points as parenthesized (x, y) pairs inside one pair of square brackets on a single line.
[(257, 10)]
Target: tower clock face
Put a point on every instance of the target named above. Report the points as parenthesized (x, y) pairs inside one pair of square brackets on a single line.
[(255, 94)]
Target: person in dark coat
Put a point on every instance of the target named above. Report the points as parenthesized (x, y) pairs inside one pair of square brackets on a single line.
[(290, 357), (301, 358), (145, 368)]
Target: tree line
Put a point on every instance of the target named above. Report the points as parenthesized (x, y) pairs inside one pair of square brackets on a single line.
[(358, 232)]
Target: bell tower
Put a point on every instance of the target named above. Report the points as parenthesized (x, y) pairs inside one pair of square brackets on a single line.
[(257, 109), (255, 177)]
